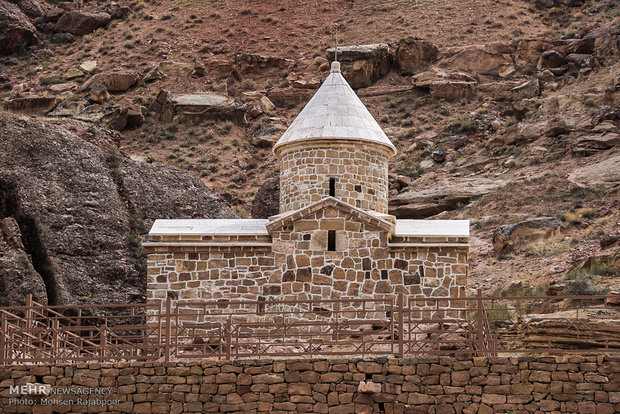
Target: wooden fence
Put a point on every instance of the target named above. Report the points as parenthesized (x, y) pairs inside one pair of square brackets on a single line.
[(395, 326)]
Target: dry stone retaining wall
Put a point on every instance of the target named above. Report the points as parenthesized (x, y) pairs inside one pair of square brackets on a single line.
[(570, 384)]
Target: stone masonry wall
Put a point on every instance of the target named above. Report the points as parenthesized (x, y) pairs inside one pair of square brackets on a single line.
[(441, 385), (363, 265), (360, 170)]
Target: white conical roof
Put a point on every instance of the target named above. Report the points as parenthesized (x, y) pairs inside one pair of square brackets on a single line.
[(334, 113)]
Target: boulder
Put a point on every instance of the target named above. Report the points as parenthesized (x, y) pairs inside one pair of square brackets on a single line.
[(116, 11), (581, 46), (200, 70), (580, 60), (426, 78), (415, 55), (593, 144), (153, 73), (68, 5), (363, 65), (418, 203), (31, 8), (526, 90), (88, 66), (551, 59), (500, 90), (31, 105), (80, 23), (525, 133), (453, 90), (477, 59), (267, 200), (113, 81), (510, 237), (73, 73), (528, 52), (98, 93), (200, 107), (116, 118), (69, 108), (439, 155), (135, 115), (82, 208), (18, 277), (51, 16), (16, 31), (62, 87)]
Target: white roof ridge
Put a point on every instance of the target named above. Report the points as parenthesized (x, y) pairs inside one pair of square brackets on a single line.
[(335, 112)]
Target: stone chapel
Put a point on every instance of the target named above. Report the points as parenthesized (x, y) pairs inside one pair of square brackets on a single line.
[(333, 237)]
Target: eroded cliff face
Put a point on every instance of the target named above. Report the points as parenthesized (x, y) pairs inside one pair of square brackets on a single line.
[(81, 208)]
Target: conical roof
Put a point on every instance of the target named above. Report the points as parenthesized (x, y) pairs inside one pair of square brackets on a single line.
[(334, 113)]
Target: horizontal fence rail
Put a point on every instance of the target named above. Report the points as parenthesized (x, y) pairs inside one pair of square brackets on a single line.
[(393, 326)]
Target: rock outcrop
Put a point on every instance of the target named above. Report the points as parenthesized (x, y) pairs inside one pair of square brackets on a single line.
[(267, 200), (30, 105), (17, 275), (362, 65), (515, 236), (16, 31), (605, 173), (82, 209), (452, 90), (415, 55), (480, 60), (31, 8), (198, 107), (113, 81), (422, 203)]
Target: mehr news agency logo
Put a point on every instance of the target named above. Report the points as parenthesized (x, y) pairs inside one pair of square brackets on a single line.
[(50, 395)]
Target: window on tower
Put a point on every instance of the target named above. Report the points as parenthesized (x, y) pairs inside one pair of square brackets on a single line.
[(332, 187)]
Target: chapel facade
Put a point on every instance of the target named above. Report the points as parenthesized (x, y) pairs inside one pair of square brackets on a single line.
[(333, 237)]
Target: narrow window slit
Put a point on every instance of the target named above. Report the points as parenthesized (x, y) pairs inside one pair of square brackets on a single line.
[(331, 240), (332, 187)]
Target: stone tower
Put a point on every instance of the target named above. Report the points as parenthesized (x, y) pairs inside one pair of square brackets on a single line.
[(334, 148)]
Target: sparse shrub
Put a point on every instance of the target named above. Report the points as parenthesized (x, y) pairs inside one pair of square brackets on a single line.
[(596, 270), (584, 286), (114, 161), (248, 85), (224, 127), (50, 80), (462, 125)]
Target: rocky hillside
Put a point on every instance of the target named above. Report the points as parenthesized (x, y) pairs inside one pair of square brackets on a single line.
[(505, 113), (73, 211)]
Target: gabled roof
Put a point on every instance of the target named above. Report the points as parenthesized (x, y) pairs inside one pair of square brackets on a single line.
[(362, 215), (334, 113)]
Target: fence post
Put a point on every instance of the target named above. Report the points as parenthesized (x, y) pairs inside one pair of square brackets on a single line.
[(104, 340), (480, 320), (168, 328), (401, 325), (55, 339), (4, 332), (228, 337)]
